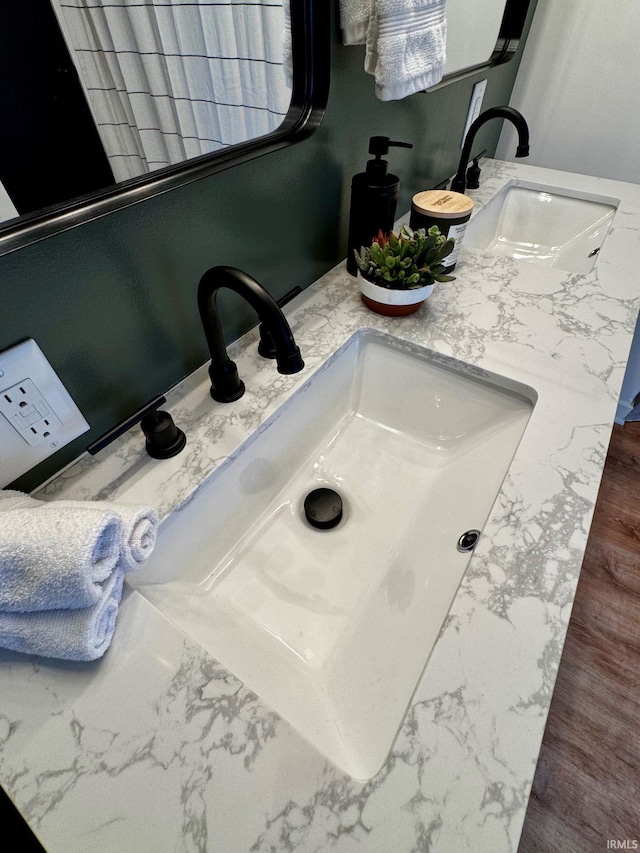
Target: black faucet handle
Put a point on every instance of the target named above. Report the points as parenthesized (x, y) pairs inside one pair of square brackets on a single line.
[(266, 346), (473, 172), (163, 438)]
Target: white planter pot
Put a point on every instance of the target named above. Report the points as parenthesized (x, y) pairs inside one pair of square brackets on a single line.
[(392, 303)]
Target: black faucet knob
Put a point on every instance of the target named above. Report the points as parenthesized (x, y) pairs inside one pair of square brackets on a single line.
[(473, 172), (163, 438)]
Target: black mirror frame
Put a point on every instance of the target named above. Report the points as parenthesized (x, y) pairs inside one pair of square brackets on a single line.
[(310, 90)]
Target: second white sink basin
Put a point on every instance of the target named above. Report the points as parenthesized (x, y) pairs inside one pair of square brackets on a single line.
[(545, 225), (333, 628)]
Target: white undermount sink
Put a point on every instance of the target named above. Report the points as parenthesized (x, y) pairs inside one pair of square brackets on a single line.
[(545, 225), (333, 628)]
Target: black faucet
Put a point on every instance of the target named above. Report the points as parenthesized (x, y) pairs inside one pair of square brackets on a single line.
[(517, 119), (226, 385)]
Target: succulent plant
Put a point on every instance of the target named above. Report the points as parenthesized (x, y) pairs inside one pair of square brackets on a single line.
[(406, 260)]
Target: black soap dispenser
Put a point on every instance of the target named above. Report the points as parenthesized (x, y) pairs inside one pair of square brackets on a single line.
[(374, 196)]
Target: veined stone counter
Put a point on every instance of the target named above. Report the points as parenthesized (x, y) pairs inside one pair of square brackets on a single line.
[(157, 747)]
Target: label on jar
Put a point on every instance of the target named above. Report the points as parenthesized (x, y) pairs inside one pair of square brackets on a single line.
[(456, 232)]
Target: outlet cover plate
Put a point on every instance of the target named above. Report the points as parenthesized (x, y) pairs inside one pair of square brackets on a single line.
[(475, 105), (37, 414)]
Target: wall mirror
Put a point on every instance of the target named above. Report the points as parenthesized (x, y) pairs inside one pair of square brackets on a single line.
[(107, 102), (111, 101)]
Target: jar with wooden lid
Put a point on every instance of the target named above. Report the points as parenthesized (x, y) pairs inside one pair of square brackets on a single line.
[(448, 210)]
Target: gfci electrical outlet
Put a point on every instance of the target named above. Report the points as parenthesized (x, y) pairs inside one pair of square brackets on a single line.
[(37, 414), (28, 412)]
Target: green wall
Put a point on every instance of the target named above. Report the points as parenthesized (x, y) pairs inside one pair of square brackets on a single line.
[(112, 303)]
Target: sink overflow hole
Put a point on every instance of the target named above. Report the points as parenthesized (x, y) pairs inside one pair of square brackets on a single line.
[(323, 508), (468, 541)]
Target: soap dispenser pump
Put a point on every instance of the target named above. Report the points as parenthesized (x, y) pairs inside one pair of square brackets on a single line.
[(374, 196)]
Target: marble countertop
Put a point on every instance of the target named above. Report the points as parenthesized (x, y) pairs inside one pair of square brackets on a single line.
[(158, 747)]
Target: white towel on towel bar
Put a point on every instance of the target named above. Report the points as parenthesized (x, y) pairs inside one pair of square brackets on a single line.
[(405, 39), (354, 20)]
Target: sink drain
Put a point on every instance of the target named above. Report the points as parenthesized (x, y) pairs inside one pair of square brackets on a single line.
[(323, 508), (468, 541)]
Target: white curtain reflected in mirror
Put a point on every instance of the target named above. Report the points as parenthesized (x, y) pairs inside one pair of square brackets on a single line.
[(168, 80)]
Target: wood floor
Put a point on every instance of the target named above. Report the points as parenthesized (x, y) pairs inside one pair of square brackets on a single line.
[(586, 792)]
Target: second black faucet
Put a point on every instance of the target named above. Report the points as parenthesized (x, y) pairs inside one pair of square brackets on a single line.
[(517, 119)]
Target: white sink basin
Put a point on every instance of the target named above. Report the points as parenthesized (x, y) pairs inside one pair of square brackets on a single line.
[(333, 628), (545, 225)]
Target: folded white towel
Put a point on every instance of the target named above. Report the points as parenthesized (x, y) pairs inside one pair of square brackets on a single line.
[(139, 528), (139, 532), (53, 558), (10, 499), (69, 634), (54, 555), (139, 523)]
